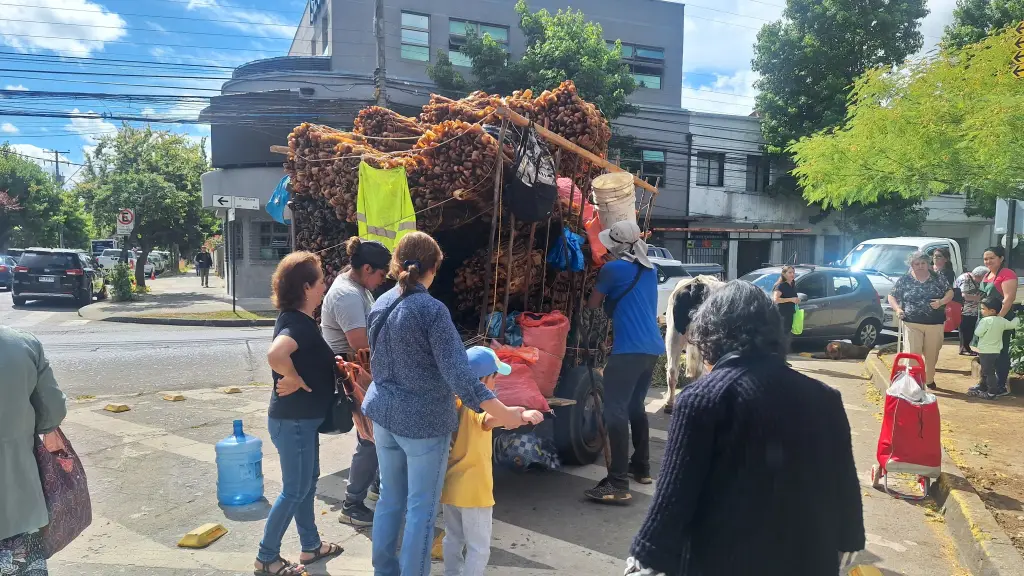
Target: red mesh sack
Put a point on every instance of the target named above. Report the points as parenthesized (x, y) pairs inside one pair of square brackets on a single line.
[(547, 333), (519, 388)]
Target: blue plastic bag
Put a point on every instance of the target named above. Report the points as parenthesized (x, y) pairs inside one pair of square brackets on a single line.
[(567, 253), (279, 201), (513, 333)]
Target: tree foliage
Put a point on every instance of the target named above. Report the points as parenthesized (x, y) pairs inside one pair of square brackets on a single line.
[(561, 46), (974, 20), (34, 210), (894, 217), (156, 173), (809, 59), (951, 123)]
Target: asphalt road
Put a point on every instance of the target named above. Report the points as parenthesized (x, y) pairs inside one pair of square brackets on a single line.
[(100, 358)]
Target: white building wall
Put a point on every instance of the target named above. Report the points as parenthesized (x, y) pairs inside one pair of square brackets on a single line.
[(946, 219)]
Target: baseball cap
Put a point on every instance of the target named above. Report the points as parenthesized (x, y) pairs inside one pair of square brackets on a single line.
[(624, 238), (484, 362)]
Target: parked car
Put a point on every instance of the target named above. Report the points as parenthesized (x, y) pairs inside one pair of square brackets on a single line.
[(659, 252), (44, 273), (7, 265), (670, 272), (110, 258), (159, 263), (838, 303)]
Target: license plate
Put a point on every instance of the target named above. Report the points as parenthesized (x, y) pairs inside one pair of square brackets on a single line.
[(47, 279)]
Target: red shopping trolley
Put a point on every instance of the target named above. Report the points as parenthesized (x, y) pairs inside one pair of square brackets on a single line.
[(910, 441)]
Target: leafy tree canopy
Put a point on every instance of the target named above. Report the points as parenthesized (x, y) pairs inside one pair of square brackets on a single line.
[(156, 173), (809, 59), (951, 123), (562, 46), (973, 20)]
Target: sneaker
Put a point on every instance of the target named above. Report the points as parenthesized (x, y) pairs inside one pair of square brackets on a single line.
[(356, 514), (977, 392), (932, 386), (640, 476), (1000, 393), (605, 493), (373, 493)]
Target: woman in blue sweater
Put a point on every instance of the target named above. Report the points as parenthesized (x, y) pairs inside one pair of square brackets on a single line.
[(758, 475), (418, 364)]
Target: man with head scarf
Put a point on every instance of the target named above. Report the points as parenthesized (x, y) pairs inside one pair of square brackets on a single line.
[(627, 287)]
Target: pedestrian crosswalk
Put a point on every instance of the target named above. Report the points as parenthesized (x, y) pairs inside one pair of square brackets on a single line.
[(30, 319)]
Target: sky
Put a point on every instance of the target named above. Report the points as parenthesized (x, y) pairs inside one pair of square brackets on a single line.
[(147, 48)]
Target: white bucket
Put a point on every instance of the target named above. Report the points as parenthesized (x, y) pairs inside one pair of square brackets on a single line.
[(615, 197)]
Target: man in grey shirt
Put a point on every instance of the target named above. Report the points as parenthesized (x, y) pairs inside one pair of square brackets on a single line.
[(343, 323)]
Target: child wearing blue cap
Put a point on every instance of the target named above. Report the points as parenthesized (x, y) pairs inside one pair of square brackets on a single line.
[(468, 495)]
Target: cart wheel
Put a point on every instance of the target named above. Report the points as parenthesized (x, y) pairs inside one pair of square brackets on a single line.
[(876, 475), (925, 483), (576, 428)]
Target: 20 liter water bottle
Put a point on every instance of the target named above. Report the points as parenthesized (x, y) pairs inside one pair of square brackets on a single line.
[(239, 468)]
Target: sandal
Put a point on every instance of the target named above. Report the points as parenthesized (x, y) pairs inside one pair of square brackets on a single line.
[(287, 568), (333, 551)]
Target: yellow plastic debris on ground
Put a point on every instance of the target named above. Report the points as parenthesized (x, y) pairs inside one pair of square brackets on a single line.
[(864, 571), (436, 551), (203, 536), (232, 390), (117, 408), (174, 397)]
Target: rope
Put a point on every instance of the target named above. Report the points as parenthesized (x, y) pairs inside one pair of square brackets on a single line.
[(396, 153)]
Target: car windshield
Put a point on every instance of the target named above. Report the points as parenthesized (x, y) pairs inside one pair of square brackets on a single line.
[(111, 253), (889, 259), (766, 280), (672, 271), (50, 260)]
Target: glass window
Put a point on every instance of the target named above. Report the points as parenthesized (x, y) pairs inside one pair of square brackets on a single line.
[(813, 285), (50, 260), (498, 33), (763, 281), (460, 59), (275, 241), (649, 163), (710, 169), (415, 37), (647, 65), (757, 173), (889, 259), (457, 31), (653, 53), (843, 284)]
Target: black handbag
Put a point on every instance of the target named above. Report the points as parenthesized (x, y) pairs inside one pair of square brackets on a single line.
[(339, 416), (530, 187)]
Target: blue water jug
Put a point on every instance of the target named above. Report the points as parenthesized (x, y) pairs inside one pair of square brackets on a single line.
[(239, 468)]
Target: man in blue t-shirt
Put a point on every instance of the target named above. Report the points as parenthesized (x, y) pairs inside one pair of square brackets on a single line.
[(627, 287)]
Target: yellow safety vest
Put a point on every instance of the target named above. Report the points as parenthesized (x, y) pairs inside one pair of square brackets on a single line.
[(384, 209)]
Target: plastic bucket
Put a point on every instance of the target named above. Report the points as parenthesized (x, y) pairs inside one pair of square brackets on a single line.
[(615, 197)]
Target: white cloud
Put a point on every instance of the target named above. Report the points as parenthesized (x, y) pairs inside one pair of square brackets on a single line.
[(37, 155), (73, 27), (250, 21), (90, 128), (156, 26), (20, 87), (8, 128), (718, 48)]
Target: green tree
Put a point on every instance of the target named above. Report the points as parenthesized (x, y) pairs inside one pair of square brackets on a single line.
[(950, 123), (897, 216), (156, 173), (34, 210), (561, 46), (974, 20)]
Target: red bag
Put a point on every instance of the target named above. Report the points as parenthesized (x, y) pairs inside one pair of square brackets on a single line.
[(547, 333), (954, 313), (910, 440), (519, 388), (67, 495)]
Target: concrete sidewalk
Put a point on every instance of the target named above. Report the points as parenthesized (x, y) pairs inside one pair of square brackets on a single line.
[(181, 301)]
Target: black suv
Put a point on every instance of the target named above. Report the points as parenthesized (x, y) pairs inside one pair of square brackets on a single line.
[(57, 273)]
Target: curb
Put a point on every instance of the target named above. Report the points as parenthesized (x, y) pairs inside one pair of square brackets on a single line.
[(983, 546), (260, 322)]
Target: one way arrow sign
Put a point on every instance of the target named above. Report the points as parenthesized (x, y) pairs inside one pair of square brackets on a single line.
[(222, 201), (1018, 71), (1019, 57), (1020, 28), (1019, 44)]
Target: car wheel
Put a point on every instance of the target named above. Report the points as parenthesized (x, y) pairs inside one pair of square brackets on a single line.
[(867, 334), (576, 431), (19, 300), (85, 297)]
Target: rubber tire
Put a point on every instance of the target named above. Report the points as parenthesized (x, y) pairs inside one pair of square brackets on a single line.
[(85, 297), (858, 337), (19, 300), (570, 434), (103, 295)]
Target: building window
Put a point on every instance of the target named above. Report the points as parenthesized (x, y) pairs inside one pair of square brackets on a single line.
[(710, 169), (645, 63), (459, 29), (236, 248), (415, 37), (757, 173), (325, 31), (650, 164), (312, 46), (275, 241)]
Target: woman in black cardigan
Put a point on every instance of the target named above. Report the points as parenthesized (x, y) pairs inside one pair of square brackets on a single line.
[(758, 476)]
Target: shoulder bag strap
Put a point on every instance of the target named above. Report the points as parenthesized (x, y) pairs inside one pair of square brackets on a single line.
[(613, 303), (384, 317)]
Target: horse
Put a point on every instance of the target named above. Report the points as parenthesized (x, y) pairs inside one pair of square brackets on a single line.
[(687, 296)]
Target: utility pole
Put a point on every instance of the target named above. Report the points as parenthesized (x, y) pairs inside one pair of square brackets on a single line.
[(56, 165), (381, 72)]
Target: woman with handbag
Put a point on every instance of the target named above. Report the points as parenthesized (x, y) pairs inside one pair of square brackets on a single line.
[(304, 380), (32, 405), (786, 299), (419, 364)]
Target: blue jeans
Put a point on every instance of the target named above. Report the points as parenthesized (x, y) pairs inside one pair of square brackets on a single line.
[(298, 447), (411, 477)]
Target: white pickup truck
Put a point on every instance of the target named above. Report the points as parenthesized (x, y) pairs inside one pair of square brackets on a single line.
[(884, 260), (111, 256)]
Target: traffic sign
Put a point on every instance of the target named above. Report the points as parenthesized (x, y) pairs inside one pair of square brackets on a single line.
[(221, 201), (1019, 57), (1020, 28), (125, 221), (243, 203), (1019, 43), (1018, 71)]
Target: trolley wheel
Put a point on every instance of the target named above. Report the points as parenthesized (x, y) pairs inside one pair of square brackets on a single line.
[(925, 483), (576, 429), (876, 476)]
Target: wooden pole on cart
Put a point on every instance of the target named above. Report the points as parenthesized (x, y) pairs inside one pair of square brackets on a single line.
[(508, 276), (529, 268), (495, 210)]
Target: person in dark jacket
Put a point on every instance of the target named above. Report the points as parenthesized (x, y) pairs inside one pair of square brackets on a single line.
[(203, 264), (758, 475)]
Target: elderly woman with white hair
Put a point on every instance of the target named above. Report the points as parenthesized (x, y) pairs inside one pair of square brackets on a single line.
[(919, 299)]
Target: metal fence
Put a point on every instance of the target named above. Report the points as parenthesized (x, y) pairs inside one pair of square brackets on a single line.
[(798, 249), (708, 248)]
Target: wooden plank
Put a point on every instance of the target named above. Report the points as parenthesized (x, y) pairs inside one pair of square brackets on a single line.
[(280, 149), (505, 112)]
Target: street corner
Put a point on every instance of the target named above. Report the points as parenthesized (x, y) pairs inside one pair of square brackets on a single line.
[(148, 311)]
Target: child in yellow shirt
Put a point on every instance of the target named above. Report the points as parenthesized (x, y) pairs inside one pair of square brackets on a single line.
[(468, 495)]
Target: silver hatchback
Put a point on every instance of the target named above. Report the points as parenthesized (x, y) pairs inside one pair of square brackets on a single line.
[(838, 303)]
